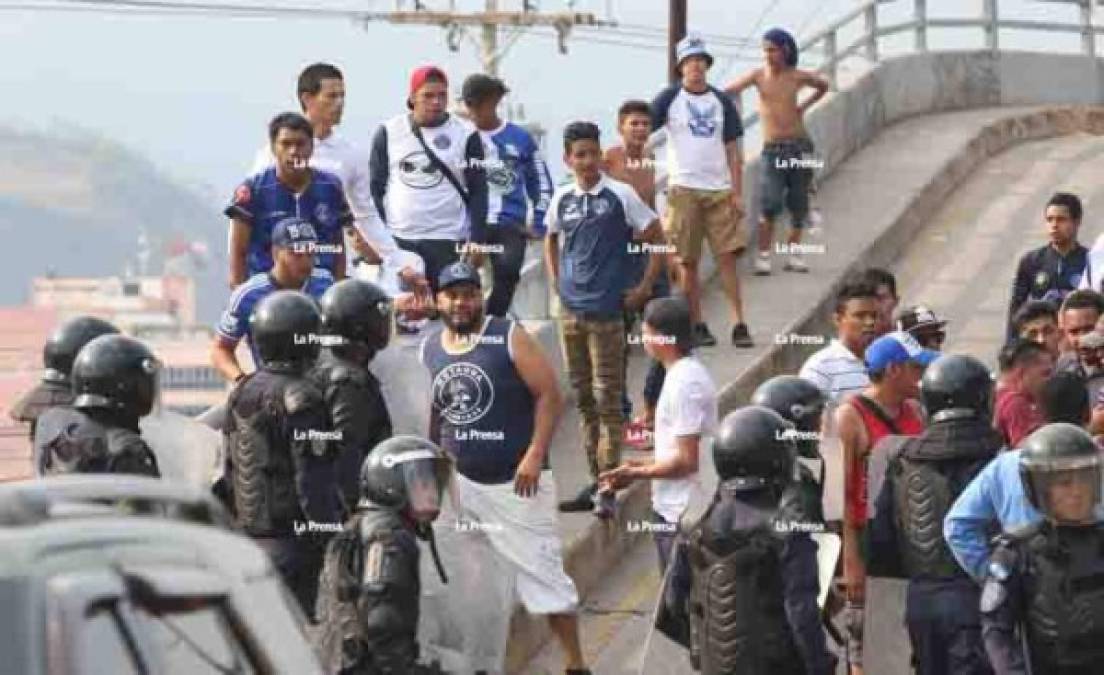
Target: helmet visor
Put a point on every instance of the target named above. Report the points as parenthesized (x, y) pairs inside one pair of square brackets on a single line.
[(1068, 490), (426, 479)]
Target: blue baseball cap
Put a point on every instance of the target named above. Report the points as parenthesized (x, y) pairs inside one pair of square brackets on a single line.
[(692, 45), (458, 273), (897, 347), (294, 232)]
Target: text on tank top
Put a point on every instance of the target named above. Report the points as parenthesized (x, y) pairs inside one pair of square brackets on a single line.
[(485, 410)]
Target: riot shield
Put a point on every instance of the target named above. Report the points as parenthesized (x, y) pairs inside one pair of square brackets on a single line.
[(883, 623), (464, 624), (187, 450), (405, 385), (829, 547)]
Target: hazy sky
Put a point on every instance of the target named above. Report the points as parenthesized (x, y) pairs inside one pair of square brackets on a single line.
[(193, 94)]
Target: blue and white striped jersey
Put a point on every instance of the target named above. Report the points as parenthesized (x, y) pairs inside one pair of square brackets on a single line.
[(516, 172)]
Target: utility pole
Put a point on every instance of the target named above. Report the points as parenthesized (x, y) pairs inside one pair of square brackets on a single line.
[(676, 30), (457, 25)]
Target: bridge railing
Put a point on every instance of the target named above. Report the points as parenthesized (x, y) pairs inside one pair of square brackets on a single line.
[(828, 43)]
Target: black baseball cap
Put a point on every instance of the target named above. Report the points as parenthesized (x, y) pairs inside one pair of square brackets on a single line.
[(458, 273), (480, 87), (918, 317)]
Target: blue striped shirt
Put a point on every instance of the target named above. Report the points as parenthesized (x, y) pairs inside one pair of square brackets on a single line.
[(233, 325), (516, 175)]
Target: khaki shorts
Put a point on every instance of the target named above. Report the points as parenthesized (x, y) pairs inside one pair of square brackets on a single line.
[(692, 215)]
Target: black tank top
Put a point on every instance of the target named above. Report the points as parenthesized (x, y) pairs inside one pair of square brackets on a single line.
[(484, 407)]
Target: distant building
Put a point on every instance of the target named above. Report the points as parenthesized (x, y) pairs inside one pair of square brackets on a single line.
[(158, 310), (138, 305)]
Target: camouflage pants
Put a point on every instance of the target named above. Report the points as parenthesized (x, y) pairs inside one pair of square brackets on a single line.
[(593, 350)]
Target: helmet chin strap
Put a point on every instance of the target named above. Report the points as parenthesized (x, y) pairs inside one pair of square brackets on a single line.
[(425, 531)]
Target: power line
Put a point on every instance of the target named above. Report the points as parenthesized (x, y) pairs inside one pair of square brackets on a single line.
[(767, 8), (649, 46), (214, 7)]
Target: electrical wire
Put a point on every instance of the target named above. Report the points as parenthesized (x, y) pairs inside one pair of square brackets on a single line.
[(210, 8), (649, 46)]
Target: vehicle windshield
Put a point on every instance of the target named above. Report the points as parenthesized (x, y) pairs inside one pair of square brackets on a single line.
[(191, 635)]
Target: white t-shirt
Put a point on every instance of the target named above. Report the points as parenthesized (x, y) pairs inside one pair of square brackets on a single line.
[(420, 202), (1093, 278), (340, 157), (698, 127), (836, 371), (687, 406)]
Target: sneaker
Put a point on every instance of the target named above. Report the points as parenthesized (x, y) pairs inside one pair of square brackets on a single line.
[(605, 504), (584, 501), (796, 264), (741, 337), (702, 336), (762, 264)]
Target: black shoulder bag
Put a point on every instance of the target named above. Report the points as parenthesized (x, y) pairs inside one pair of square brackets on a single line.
[(439, 164)]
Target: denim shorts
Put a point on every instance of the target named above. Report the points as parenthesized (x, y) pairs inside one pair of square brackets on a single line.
[(786, 176)]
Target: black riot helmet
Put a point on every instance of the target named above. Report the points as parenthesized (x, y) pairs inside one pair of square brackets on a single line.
[(406, 473), (285, 331), (62, 346), (118, 374), (799, 402), (1062, 456), (956, 385), (359, 312), (755, 448)]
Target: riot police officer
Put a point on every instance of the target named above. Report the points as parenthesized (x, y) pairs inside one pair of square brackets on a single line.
[(753, 565), (801, 403), (356, 323), (279, 463), (55, 389), (114, 381), (922, 480), (1042, 606), (368, 601)]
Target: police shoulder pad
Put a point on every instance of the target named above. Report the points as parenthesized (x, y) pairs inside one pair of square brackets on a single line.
[(380, 546), (300, 395), (344, 374), (124, 441)]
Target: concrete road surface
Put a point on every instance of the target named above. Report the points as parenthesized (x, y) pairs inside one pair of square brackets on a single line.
[(961, 264)]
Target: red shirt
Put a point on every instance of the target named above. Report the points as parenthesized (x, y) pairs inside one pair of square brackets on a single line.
[(1016, 415), (908, 423)]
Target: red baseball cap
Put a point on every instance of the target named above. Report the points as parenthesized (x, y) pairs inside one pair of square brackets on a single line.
[(419, 77)]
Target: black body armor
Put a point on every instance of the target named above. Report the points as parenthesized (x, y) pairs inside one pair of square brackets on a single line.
[(279, 461)]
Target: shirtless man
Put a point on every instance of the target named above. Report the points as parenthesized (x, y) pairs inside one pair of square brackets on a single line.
[(787, 162)]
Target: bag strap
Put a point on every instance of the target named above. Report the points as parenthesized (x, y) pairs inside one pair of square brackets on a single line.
[(877, 411), (439, 164)]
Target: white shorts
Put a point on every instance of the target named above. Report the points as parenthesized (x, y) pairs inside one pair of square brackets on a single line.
[(524, 531), (495, 547)]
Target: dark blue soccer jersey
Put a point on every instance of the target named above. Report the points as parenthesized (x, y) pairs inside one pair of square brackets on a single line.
[(262, 201), (233, 324)]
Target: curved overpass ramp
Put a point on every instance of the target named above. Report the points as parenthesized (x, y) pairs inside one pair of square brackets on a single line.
[(937, 167)]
